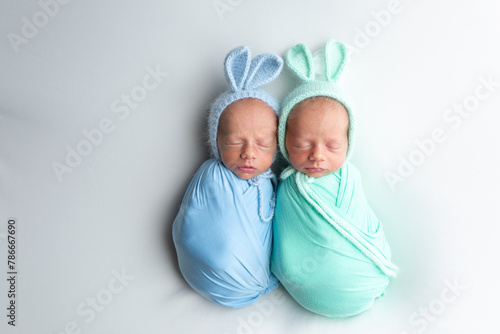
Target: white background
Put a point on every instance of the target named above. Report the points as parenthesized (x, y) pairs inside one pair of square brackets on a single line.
[(113, 212)]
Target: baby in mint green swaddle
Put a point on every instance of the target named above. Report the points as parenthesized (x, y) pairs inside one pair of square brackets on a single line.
[(329, 249)]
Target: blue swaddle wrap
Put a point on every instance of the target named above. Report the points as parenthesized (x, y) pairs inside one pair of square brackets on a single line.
[(223, 235), (329, 251), (223, 232)]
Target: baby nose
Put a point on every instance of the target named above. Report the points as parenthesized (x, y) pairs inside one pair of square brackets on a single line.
[(317, 153), (248, 152)]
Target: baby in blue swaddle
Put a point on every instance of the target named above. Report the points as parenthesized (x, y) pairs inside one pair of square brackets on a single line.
[(222, 233), (329, 251)]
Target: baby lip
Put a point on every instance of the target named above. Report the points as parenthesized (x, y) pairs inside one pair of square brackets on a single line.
[(315, 169), (247, 168)]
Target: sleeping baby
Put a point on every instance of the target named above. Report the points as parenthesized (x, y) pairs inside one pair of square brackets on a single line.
[(329, 250), (222, 233)]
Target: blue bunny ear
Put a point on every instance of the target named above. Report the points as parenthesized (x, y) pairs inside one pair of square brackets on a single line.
[(335, 59), (263, 69), (237, 64), (299, 60)]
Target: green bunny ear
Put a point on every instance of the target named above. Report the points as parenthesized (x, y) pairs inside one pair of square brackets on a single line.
[(299, 60), (335, 59)]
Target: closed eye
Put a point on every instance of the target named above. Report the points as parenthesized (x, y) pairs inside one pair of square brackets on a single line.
[(334, 147), (233, 143), (301, 146), (266, 144)]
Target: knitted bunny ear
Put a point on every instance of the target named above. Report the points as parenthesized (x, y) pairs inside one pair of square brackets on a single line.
[(263, 69), (237, 64), (299, 60), (335, 59)]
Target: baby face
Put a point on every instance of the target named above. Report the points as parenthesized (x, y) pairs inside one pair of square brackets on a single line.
[(317, 136), (246, 137)]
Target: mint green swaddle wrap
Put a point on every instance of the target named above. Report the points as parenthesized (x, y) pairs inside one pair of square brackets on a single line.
[(329, 251), (329, 248)]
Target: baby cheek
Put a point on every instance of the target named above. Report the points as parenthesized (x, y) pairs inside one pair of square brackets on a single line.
[(228, 156), (339, 161), (296, 159), (268, 154)]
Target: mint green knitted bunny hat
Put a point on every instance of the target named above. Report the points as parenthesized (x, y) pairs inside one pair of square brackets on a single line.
[(299, 59)]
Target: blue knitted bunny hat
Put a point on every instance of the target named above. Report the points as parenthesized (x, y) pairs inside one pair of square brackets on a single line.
[(300, 61), (244, 76)]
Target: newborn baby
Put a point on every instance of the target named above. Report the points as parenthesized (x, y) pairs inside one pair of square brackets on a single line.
[(329, 251), (222, 233)]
